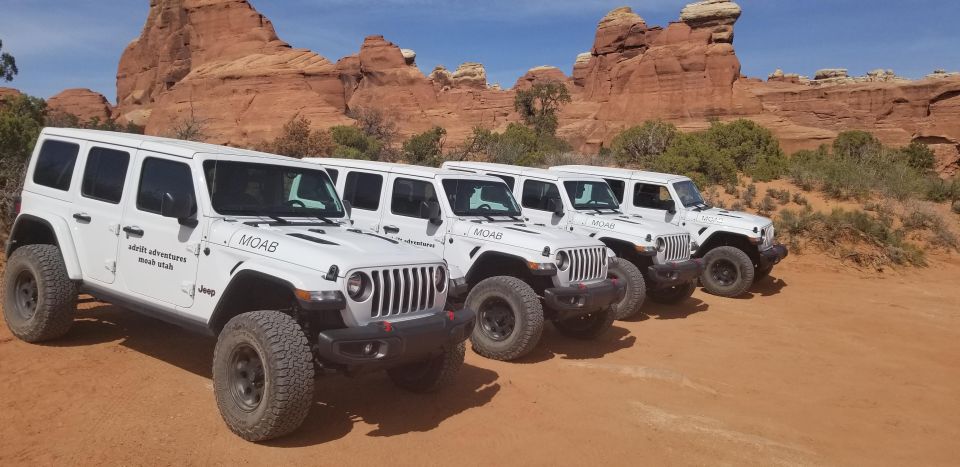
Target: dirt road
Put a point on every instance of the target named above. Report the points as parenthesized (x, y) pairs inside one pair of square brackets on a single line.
[(821, 365)]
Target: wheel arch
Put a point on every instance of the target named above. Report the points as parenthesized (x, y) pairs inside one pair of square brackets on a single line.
[(722, 238), (251, 290), (495, 263), (31, 229)]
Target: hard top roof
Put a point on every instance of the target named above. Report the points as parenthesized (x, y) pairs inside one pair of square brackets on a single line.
[(405, 169), (521, 171), (173, 147), (615, 172)]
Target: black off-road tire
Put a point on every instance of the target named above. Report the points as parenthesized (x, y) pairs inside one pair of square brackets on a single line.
[(432, 374), (586, 327), (283, 379), (39, 299), (636, 288), (727, 271), (673, 295), (762, 272), (521, 310)]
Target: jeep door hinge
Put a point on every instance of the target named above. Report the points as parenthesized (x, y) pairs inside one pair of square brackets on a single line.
[(114, 229), (111, 265), (188, 288), (194, 248)]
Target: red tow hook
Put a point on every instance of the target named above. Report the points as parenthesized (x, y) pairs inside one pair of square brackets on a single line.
[(450, 315), (387, 326), (582, 286)]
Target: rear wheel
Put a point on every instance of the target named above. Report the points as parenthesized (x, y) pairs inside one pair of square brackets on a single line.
[(586, 326), (624, 271), (263, 375), (673, 295), (431, 374), (509, 318), (39, 297), (728, 271)]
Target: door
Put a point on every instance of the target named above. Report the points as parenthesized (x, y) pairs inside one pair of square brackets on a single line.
[(653, 201), (158, 255), (97, 210), (364, 192), (407, 217), (535, 196)]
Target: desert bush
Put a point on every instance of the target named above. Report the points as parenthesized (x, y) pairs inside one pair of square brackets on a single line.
[(782, 196), (749, 195), (856, 145), (538, 106), (425, 148), (939, 190), (299, 141), (754, 149), (955, 207), (350, 142), (766, 206), (375, 123), (692, 155), (799, 199), (919, 219), (517, 145), (638, 145), (21, 119), (736, 206), (918, 156)]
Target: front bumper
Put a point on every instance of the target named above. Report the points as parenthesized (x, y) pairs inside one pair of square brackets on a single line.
[(773, 255), (385, 344), (674, 273), (582, 299)]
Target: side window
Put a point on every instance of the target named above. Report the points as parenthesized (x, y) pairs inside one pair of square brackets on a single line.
[(104, 174), (54, 167), (334, 173), (409, 197), (362, 190), (510, 181), (617, 186), (159, 176), (536, 194), (652, 197)]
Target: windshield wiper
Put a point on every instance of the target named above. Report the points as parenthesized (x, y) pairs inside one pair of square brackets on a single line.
[(328, 221)]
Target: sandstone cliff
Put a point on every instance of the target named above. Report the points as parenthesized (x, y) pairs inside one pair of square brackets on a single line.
[(84, 103)]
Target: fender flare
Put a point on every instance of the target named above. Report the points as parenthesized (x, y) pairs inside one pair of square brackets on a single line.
[(62, 235)]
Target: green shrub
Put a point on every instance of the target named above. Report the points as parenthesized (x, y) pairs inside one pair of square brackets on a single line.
[(691, 154), (750, 195), (767, 205), (299, 141), (939, 190), (21, 119), (856, 145), (955, 207), (754, 149), (918, 156), (782, 196), (352, 143), (799, 199), (538, 106), (638, 145), (425, 148)]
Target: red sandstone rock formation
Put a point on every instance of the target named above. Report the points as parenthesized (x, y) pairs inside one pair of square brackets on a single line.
[(221, 61), (84, 103)]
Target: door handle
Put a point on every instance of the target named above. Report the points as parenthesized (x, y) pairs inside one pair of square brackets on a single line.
[(133, 230), (391, 229), (82, 217)]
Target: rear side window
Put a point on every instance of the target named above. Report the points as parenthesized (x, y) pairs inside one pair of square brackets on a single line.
[(617, 186), (362, 190), (536, 194), (410, 196), (55, 164), (104, 175), (652, 197), (334, 173), (510, 181), (159, 176)]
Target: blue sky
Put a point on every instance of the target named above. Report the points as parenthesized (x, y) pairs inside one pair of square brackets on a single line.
[(77, 43)]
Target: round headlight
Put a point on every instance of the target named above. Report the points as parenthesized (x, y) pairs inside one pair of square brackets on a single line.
[(563, 261), (661, 245), (440, 279), (357, 285)]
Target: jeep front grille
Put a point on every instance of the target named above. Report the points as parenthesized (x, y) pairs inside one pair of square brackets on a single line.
[(676, 248), (401, 290), (588, 263)]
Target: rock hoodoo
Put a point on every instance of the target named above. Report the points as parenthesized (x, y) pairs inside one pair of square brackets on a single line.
[(84, 103)]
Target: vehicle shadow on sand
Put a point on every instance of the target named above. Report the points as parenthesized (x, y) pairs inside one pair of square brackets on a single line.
[(682, 310), (554, 344), (340, 402), (766, 287)]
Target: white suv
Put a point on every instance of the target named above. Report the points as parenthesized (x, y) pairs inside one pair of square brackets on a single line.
[(514, 275), (249, 247), (653, 258), (737, 248)]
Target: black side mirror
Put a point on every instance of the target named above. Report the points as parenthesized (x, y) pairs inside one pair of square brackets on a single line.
[(555, 205), (179, 207), (348, 208), (431, 210), (671, 208)]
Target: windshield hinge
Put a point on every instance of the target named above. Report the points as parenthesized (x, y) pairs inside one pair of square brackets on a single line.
[(194, 248), (188, 288)]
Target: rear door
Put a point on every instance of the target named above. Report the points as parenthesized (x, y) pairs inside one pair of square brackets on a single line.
[(406, 218), (158, 256), (98, 210)]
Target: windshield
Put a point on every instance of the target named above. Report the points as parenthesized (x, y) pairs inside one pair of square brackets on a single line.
[(251, 189), (480, 198), (688, 193), (591, 195)]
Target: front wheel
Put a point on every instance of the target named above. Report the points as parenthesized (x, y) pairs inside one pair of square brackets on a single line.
[(673, 295), (431, 374), (263, 375), (586, 327), (728, 271), (509, 318), (636, 288)]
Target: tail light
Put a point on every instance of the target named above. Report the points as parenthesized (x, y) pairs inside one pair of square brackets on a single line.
[(16, 206)]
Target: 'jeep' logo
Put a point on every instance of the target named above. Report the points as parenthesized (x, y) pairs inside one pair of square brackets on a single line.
[(485, 233), (601, 224), (258, 243)]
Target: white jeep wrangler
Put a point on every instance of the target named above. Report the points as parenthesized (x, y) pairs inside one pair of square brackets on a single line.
[(737, 248), (514, 275), (249, 247), (653, 258)]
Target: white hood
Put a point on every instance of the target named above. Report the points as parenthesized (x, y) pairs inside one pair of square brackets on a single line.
[(727, 219), (521, 235), (626, 227)]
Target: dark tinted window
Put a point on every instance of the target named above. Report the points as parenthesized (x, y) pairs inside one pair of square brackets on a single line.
[(617, 186), (652, 196), (334, 173), (590, 195), (362, 190), (104, 174), (253, 189), (55, 163), (410, 196), (536, 194), (480, 198), (160, 176), (510, 181)]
